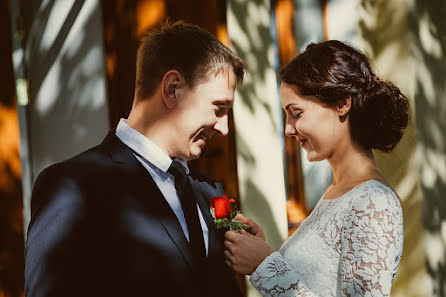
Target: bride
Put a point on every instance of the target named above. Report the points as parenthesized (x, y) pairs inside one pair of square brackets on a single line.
[(351, 243)]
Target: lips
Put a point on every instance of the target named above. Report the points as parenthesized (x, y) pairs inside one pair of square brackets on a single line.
[(203, 137), (301, 141)]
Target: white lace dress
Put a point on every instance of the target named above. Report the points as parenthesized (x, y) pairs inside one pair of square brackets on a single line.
[(348, 246)]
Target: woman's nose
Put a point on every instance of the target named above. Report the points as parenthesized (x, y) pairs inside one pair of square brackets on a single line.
[(290, 130)]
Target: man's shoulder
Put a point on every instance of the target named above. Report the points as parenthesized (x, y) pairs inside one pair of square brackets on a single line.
[(94, 157)]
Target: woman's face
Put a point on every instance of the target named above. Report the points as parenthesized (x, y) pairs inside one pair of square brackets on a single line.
[(318, 129)]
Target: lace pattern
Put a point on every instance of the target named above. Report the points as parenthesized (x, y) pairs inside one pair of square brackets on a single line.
[(349, 246)]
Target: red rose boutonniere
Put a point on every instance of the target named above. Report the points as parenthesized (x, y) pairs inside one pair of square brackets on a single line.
[(223, 211)]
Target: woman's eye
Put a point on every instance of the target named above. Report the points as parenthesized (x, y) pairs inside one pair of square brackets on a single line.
[(297, 115)]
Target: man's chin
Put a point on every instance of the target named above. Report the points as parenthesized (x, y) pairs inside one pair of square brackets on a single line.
[(194, 154), (193, 157)]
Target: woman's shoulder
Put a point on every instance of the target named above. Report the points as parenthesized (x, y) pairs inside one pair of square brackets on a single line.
[(375, 195)]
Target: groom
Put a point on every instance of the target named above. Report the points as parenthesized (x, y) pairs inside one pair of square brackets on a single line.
[(127, 218)]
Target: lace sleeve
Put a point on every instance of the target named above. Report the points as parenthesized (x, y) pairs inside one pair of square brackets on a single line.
[(275, 277), (371, 244)]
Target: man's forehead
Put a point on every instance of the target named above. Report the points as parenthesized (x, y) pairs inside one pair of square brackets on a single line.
[(228, 74)]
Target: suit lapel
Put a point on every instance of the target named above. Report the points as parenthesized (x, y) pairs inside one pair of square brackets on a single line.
[(214, 244), (120, 153)]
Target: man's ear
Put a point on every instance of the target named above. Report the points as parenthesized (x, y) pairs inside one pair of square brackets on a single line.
[(344, 106), (171, 80)]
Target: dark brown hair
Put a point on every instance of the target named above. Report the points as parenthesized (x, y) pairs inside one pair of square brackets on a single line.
[(190, 50), (332, 71)]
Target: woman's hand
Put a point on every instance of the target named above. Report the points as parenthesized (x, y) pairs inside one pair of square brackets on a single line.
[(254, 229), (244, 251)]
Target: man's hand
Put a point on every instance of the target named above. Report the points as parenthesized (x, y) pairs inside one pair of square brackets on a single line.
[(254, 229)]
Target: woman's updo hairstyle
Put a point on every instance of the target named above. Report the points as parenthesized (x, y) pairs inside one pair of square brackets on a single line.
[(332, 71)]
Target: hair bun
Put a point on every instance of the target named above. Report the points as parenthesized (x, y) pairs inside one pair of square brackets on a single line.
[(379, 115), (373, 82)]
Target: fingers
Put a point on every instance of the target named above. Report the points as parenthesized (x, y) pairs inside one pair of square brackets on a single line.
[(229, 249), (234, 238), (228, 255), (253, 227), (231, 235), (241, 218), (229, 264), (228, 245), (243, 232)]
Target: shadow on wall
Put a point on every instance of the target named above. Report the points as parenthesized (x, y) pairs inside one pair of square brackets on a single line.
[(383, 26), (386, 34), (429, 35), (66, 75), (250, 45), (254, 196), (258, 36)]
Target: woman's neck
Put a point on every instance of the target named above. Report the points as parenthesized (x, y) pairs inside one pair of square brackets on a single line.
[(352, 165)]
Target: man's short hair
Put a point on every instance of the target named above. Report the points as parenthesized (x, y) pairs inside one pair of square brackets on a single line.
[(192, 51)]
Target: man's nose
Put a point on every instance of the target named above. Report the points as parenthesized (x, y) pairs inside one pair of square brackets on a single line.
[(222, 125)]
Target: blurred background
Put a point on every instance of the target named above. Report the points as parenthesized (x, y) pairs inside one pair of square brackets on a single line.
[(67, 77)]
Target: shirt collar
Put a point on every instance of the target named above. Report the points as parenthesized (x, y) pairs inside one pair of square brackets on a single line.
[(144, 147)]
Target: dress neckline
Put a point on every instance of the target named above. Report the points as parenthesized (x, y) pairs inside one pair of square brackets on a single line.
[(353, 189)]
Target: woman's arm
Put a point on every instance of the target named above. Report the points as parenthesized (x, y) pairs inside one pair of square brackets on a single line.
[(276, 277), (371, 244), (271, 274)]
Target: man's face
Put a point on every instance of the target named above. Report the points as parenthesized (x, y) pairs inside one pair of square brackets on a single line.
[(200, 113)]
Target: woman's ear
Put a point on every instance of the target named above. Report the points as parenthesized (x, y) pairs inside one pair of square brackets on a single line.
[(170, 82), (344, 106)]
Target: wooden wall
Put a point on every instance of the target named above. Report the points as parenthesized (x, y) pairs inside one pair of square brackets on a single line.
[(11, 219)]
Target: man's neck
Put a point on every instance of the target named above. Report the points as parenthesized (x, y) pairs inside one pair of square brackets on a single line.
[(148, 119)]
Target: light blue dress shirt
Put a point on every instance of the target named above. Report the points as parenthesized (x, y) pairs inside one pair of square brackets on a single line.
[(157, 162)]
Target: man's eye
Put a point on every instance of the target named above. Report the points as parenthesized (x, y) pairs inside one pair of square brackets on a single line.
[(221, 109)]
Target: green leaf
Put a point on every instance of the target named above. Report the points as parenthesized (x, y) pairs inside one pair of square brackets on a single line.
[(219, 223), (233, 215), (213, 213), (236, 226)]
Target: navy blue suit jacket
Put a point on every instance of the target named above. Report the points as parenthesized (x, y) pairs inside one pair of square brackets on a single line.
[(101, 227)]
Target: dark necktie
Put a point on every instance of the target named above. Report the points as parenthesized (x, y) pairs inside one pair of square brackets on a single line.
[(189, 205)]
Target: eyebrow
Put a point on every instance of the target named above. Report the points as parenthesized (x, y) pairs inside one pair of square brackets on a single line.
[(290, 104)]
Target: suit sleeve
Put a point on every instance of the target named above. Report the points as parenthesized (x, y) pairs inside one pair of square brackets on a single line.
[(56, 241)]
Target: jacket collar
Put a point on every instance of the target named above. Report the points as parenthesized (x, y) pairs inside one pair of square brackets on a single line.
[(122, 154)]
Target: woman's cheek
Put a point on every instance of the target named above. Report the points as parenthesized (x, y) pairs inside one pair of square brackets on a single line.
[(303, 128)]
